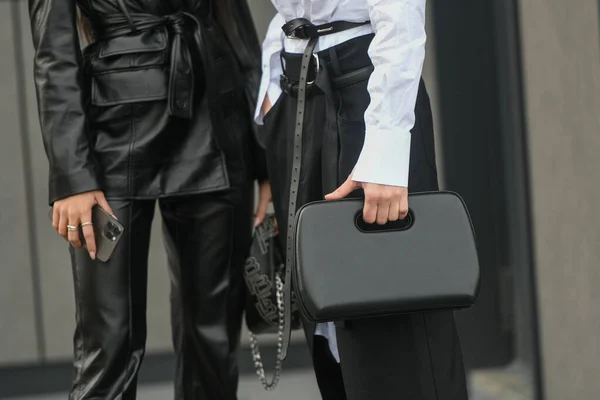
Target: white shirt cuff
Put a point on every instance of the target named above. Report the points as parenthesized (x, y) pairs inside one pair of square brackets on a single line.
[(384, 159), (327, 330), (271, 66)]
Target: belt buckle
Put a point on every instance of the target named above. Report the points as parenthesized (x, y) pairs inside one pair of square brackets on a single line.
[(317, 67), (294, 34)]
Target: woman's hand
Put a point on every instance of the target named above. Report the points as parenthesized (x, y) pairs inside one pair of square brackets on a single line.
[(264, 198), (70, 213), (383, 203), (264, 189)]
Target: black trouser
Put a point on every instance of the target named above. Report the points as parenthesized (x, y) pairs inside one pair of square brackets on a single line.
[(207, 238), (409, 357)]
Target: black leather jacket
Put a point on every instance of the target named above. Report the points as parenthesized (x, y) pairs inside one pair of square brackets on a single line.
[(159, 105)]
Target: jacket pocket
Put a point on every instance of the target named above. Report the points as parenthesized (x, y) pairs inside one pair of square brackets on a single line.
[(128, 69), (129, 86)]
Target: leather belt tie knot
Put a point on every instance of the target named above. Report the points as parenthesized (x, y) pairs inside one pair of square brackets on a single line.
[(181, 80), (176, 23)]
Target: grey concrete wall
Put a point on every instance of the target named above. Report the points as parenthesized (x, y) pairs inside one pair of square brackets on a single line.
[(18, 339), (560, 49), (262, 11)]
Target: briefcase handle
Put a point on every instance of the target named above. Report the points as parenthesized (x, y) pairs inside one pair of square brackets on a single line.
[(390, 226)]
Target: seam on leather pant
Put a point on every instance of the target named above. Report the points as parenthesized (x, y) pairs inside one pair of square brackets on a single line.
[(79, 323), (231, 275), (186, 364), (130, 305)]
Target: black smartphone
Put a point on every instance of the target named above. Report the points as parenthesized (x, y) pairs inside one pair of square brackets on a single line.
[(107, 230)]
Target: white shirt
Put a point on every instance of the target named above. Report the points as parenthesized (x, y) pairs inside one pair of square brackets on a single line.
[(397, 53)]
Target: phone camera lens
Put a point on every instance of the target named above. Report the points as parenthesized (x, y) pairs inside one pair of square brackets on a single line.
[(109, 235), (111, 226)]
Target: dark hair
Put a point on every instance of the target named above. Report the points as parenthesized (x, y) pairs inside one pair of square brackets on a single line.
[(223, 13)]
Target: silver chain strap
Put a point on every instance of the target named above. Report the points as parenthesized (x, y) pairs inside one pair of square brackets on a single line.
[(255, 349)]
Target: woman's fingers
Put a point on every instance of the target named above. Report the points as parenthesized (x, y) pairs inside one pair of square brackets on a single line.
[(88, 234), (73, 234), (101, 201), (264, 199), (394, 211), (63, 221), (68, 214), (383, 212), (55, 218), (261, 213)]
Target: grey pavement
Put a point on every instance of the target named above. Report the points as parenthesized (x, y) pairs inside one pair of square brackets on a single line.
[(296, 385)]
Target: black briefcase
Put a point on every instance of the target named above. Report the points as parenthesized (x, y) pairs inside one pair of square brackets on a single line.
[(346, 269)]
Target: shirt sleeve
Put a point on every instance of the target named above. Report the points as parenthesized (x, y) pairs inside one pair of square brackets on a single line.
[(271, 65), (397, 52)]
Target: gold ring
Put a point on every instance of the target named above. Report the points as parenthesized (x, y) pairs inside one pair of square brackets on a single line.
[(86, 224), (71, 228)]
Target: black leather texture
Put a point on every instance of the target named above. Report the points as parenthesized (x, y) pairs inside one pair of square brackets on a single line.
[(159, 104), (263, 265), (206, 239), (343, 272)]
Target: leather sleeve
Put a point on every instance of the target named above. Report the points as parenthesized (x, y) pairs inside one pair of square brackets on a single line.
[(249, 54), (59, 77)]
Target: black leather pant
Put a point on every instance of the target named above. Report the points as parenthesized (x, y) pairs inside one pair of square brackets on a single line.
[(207, 238)]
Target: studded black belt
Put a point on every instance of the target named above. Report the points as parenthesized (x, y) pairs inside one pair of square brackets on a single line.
[(301, 28)]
